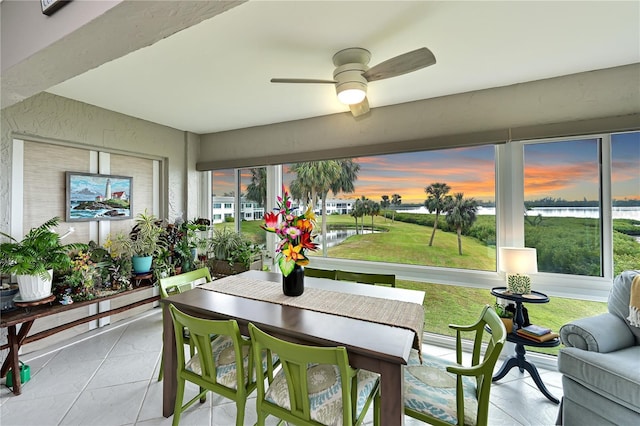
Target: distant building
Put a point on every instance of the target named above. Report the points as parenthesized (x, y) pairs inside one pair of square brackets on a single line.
[(337, 206), (224, 207)]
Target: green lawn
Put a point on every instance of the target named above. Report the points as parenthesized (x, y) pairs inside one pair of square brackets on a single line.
[(444, 304), (447, 304)]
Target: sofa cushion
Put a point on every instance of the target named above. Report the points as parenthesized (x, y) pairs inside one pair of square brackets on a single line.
[(619, 296), (614, 375)]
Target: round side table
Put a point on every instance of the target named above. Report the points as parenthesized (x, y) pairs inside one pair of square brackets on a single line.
[(519, 360)]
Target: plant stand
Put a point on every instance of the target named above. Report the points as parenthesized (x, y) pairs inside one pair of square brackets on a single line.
[(28, 305)]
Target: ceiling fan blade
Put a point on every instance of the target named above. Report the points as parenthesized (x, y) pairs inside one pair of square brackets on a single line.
[(401, 64), (360, 109), (300, 80)]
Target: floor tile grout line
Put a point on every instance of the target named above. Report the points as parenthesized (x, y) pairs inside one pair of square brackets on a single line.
[(102, 362)]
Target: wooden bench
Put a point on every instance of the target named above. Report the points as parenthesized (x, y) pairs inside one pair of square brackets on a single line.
[(26, 316)]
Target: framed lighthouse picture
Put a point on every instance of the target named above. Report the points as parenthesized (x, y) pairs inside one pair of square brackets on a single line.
[(98, 197)]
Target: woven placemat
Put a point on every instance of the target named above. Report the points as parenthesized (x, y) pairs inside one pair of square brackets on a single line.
[(395, 313)]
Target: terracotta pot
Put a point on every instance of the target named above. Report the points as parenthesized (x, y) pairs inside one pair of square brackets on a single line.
[(508, 324)]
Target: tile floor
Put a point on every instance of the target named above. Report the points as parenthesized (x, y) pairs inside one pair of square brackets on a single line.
[(109, 377)]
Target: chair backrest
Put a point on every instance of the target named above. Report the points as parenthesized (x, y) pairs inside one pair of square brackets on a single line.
[(365, 278), (295, 360), (200, 331), (485, 367), (320, 273), (183, 282)]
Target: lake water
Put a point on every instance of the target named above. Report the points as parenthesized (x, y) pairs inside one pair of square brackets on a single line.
[(336, 236), (581, 212)]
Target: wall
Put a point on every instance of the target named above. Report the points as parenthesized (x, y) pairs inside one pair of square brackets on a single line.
[(60, 120), (72, 126)]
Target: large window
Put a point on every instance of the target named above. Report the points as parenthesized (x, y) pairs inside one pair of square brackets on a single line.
[(562, 205), (625, 194), (430, 208), (567, 202), (438, 216)]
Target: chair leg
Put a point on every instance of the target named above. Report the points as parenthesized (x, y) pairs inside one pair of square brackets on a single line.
[(161, 372), (240, 411), (261, 419), (376, 409), (177, 410)]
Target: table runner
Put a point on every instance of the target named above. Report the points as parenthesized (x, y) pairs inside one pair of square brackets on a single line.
[(395, 313)]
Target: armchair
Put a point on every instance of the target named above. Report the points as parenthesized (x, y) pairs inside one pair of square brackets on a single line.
[(601, 364)]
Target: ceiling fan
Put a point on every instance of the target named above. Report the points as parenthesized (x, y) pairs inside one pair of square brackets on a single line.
[(352, 74)]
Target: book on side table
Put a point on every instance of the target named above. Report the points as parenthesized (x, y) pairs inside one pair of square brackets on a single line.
[(536, 333)]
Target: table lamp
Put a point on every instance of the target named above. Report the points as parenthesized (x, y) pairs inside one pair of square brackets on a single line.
[(517, 262)]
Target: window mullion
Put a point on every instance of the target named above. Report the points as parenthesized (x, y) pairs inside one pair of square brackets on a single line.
[(606, 207)]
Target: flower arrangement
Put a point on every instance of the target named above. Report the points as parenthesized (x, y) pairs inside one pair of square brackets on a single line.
[(295, 232)]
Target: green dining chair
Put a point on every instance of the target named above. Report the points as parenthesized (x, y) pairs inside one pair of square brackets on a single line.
[(315, 386), (365, 278), (320, 273), (444, 393), (177, 284), (223, 365)]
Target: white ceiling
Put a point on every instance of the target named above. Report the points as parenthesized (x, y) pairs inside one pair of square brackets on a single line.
[(215, 75)]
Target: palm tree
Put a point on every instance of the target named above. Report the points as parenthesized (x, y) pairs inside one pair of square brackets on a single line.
[(396, 200), (316, 179), (364, 209), (356, 212), (436, 201), (374, 210), (461, 213), (348, 175), (257, 189), (384, 204)]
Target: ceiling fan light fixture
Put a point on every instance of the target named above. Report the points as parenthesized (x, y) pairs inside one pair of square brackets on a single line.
[(352, 92)]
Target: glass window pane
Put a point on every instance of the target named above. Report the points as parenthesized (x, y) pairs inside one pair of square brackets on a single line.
[(253, 185), (223, 190), (562, 206), (386, 217), (625, 192)]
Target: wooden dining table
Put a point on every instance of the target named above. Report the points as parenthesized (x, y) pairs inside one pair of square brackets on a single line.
[(371, 345)]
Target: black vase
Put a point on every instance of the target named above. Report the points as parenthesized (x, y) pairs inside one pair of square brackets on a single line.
[(293, 284)]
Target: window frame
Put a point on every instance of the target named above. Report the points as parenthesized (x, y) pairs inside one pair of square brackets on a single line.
[(509, 198)]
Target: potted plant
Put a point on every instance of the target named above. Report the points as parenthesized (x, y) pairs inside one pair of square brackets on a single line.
[(505, 315), (163, 266), (232, 252), (120, 250), (34, 258), (145, 241)]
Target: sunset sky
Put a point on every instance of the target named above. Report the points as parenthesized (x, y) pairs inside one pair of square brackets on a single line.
[(565, 170)]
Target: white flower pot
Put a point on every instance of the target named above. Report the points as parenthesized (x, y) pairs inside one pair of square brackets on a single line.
[(33, 287)]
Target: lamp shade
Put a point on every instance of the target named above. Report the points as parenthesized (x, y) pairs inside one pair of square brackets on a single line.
[(518, 260)]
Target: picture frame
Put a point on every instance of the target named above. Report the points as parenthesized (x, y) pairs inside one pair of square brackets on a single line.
[(96, 197), (50, 6)]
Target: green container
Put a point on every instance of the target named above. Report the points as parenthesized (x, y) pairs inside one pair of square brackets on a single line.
[(25, 374)]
